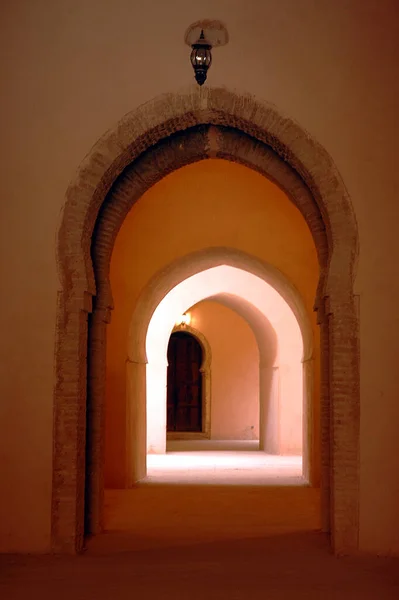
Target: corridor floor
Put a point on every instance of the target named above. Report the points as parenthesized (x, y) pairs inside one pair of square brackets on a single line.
[(209, 491), (223, 462), (210, 529)]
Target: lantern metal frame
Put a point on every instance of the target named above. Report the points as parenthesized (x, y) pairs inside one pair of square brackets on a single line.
[(201, 58), (202, 37)]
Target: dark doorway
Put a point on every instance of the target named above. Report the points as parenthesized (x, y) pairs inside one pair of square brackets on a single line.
[(184, 387)]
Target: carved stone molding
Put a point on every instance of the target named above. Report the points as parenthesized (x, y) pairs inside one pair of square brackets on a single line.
[(151, 141)]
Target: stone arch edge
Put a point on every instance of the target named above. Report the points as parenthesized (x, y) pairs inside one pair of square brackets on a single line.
[(169, 113), (191, 264), (178, 271), (137, 132)]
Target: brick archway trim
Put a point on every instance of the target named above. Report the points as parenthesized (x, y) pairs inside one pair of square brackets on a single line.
[(159, 137)]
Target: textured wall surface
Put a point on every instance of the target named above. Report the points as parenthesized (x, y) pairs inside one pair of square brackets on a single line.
[(70, 72)]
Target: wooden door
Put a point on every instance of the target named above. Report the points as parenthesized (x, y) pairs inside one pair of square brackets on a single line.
[(184, 386)]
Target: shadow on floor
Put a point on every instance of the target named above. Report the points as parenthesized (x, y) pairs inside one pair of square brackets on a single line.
[(296, 565), (212, 446), (165, 515)]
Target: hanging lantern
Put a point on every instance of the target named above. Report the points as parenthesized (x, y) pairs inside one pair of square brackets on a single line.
[(201, 58)]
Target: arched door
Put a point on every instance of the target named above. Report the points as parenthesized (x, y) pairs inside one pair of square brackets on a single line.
[(184, 384)]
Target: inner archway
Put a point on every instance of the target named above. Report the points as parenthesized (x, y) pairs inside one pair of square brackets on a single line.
[(250, 470), (241, 130), (285, 349)]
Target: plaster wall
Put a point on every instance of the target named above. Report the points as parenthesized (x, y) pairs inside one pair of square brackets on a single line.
[(234, 371), (69, 71)]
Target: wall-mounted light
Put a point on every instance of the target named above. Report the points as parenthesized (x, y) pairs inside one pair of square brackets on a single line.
[(184, 319), (201, 58), (203, 36)]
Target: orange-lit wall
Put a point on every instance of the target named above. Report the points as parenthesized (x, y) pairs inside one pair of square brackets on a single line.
[(70, 71), (210, 203), (234, 371)]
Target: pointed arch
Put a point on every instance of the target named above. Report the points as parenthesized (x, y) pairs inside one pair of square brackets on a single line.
[(151, 141)]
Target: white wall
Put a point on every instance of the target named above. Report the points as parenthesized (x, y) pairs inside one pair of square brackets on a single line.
[(70, 70), (234, 371)]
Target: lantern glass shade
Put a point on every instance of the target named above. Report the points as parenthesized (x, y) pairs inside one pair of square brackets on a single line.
[(201, 56)]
